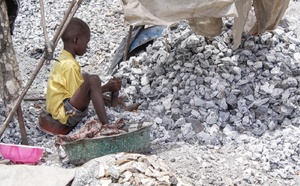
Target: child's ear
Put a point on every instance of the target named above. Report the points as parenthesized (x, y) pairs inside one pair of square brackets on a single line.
[(75, 40)]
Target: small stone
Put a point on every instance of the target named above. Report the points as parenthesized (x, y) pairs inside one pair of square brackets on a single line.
[(187, 131), (158, 120), (272, 125), (212, 118), (144, 80), (294, 40), (146, 90), (271, 58), (167, 103), (291, 81), (297, 57), (196, 124)]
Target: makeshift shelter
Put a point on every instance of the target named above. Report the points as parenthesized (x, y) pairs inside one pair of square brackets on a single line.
[(205, 17)]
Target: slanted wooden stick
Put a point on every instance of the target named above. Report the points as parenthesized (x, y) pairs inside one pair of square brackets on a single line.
[(128, 43), (59, 30), (49, 49), (67, 19), (22, 126)]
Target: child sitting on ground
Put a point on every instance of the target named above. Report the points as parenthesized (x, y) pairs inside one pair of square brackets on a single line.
[(69, 92)]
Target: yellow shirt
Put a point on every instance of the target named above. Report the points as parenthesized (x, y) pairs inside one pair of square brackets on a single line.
[(65, 78)]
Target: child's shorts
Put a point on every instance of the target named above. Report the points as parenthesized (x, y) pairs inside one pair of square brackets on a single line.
[(75, 116)]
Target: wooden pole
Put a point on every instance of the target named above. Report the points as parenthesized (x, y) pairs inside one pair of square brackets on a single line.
[(67, 19), (11, 113), (35, 99), (128, 43), (55, 38), (22, 126), (19, 109), (49, 49)]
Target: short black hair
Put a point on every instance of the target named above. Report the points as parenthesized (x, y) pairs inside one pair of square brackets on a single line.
[(76, 27)]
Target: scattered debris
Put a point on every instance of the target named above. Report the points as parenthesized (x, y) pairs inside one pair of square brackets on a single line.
[(92, 129)]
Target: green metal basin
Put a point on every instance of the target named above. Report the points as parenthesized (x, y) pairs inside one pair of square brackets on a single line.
[(83, 150)]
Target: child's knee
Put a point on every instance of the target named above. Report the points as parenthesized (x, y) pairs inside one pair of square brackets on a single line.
[(94, 80)]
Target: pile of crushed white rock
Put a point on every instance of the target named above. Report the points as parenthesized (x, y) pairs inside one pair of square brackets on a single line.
[(219, 116), (250, 90), (126, 169)]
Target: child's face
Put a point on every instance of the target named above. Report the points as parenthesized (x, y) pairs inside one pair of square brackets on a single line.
[(82, 44)]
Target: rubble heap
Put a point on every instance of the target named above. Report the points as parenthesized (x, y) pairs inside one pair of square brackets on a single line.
[(126, 169), (250, 90)]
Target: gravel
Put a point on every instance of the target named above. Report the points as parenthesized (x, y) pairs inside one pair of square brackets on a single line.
[(220, 117)]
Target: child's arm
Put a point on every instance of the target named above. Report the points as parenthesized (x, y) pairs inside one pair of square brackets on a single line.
[(113, 85)]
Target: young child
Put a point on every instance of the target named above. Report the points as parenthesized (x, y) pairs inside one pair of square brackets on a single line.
[(69, 92)]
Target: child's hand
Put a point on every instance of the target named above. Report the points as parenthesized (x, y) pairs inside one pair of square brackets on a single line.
[(114, 84)]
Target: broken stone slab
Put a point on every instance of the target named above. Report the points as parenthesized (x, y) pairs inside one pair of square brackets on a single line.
[(127, 169), (196, 124)]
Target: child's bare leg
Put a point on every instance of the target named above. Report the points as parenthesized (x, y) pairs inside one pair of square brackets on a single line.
[(107, 100), (114, 98), (90, 89)]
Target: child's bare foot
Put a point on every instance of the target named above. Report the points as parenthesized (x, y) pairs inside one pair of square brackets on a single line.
[(121, 100), (133, 107)]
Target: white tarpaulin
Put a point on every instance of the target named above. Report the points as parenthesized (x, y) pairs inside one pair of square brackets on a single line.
[(205, 16), (15, 175), (167, 12)]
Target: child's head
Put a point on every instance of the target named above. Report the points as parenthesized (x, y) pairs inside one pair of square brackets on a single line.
[(76, 37)]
